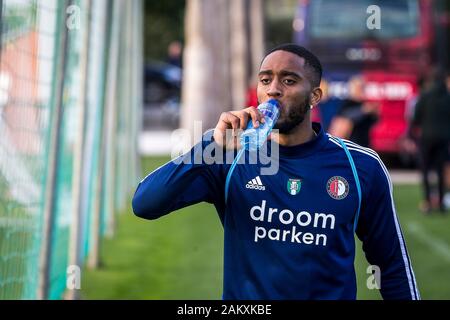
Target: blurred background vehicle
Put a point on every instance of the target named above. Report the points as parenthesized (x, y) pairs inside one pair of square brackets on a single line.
[(392, 59), (162, 91)]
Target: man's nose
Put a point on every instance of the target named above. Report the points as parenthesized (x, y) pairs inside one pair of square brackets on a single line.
[(274, 90)]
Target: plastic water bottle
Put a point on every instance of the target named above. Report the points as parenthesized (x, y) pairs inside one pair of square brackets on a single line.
[(253, 138)]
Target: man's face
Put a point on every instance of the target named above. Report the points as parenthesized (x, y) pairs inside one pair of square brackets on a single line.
[(283, 77)]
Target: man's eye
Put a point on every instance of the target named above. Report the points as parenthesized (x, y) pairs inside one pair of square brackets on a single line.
[(289, 81), (265, 81)]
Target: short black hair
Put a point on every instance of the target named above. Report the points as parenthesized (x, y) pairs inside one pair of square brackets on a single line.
[(310, 59)]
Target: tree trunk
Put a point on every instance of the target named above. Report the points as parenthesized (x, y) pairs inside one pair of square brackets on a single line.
[(224, 46), (206, 75), (257, 36), (239, 53)]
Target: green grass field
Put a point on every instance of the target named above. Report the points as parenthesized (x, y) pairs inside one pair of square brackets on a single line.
[(179, 256)]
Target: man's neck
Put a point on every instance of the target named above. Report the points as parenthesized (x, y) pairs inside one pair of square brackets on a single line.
[(301, 134)]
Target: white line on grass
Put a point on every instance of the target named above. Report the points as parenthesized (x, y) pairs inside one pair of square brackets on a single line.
[(435, 244)]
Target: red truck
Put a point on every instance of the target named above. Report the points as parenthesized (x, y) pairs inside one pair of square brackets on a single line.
[(390, 44)]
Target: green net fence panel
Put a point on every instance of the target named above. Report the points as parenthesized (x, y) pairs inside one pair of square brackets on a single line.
[(58, 56), (24, 115)]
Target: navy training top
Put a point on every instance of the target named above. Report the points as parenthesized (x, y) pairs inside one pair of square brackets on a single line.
[(288, 220)]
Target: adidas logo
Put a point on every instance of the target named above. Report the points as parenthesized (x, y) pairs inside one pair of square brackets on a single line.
[(255, 184)]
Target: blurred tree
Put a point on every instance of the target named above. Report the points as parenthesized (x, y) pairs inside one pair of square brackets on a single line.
[(257, 49), (219, 59), (239, 52), (280, 14), (163, 23), (206, 82)]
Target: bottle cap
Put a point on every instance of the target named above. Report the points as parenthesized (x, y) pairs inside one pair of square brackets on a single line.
[(274, 102)]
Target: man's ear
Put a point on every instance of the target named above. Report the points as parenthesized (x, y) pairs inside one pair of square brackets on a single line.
[(315, 96)]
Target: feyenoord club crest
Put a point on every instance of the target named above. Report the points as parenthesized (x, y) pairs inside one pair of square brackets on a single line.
[(293, 186), (337, 187)]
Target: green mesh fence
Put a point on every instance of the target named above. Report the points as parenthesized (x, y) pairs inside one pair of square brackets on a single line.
[(70, 88)]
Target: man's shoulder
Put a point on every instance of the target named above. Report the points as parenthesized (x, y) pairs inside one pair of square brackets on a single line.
[(362, 156)]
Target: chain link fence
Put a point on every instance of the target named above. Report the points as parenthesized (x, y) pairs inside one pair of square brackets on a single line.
[(70, 100)]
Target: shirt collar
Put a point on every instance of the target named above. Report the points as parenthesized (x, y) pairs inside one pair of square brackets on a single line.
[(307, 148)]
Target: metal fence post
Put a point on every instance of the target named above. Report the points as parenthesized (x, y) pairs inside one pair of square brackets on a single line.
[(55, 130), (111, 66), (77, 181), (111, 117)]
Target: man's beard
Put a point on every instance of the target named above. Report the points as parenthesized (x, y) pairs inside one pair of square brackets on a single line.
[(294, 118)]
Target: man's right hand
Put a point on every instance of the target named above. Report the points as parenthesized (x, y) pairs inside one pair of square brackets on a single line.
[(232, 123)]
